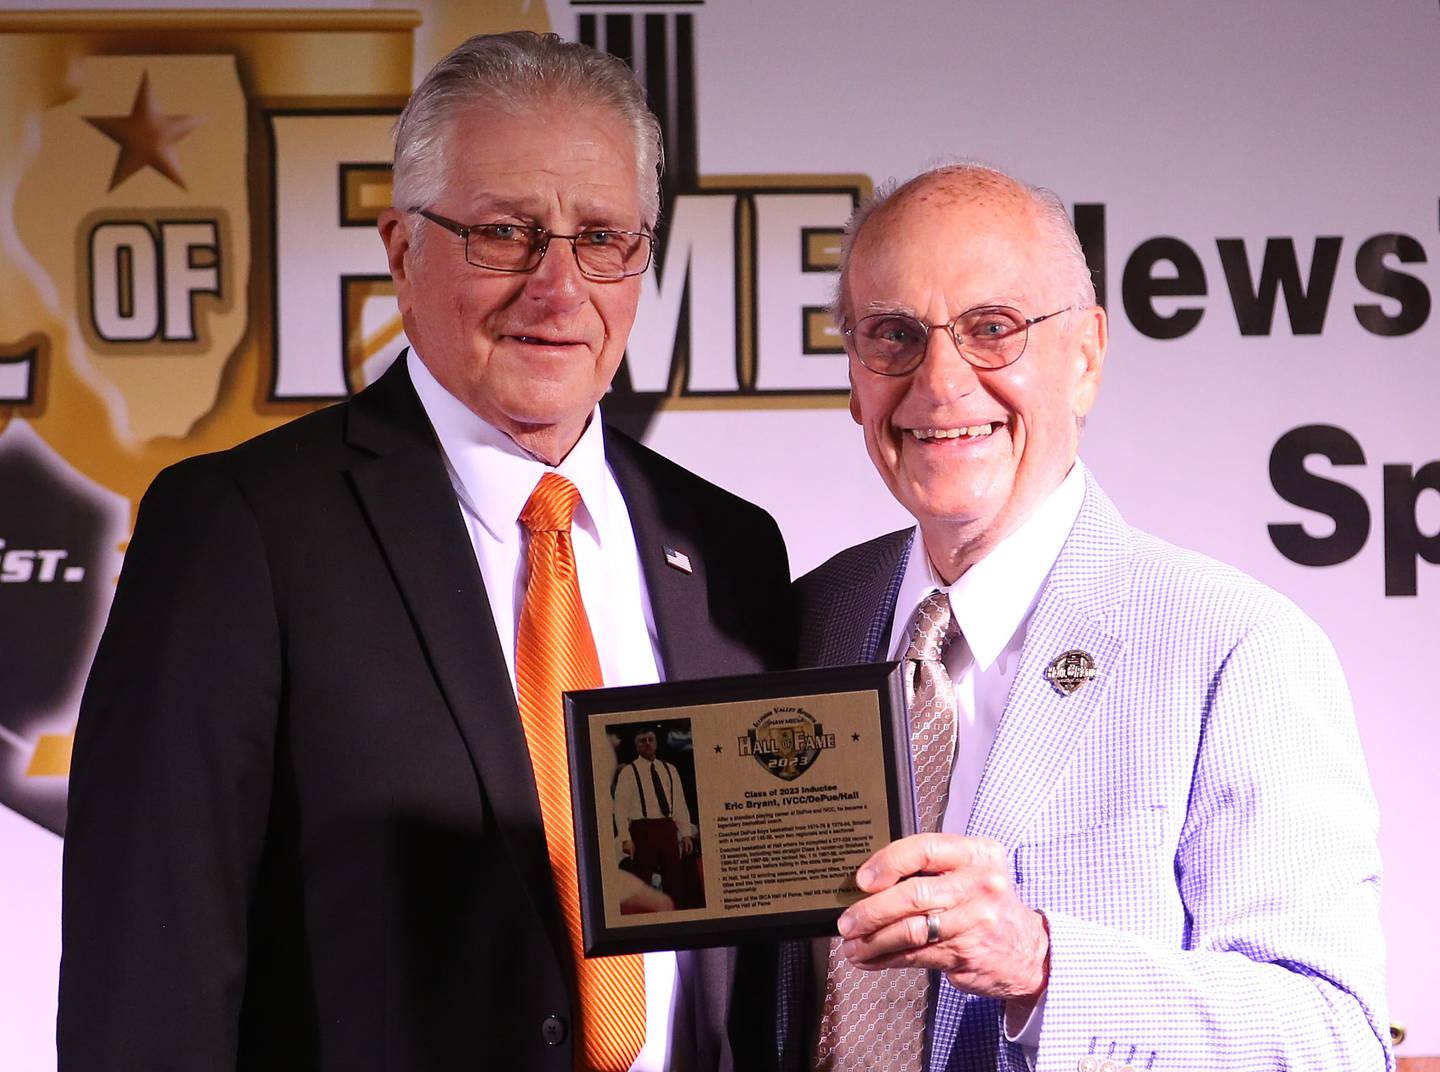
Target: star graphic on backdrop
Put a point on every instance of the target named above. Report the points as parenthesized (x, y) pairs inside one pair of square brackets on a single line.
[(854, 736), (718, 750), (145, 136)]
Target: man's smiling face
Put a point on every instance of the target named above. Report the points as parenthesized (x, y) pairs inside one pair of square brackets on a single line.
[(970, 453), (530, 353)]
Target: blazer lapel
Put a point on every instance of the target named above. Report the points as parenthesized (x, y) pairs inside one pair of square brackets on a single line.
[(406, 494), (1041, 726)]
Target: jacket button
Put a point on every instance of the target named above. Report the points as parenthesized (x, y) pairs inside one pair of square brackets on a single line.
[(554, 1029)]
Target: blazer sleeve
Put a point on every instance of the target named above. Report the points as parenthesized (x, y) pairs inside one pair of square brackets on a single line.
[(170, 788), (1278, 870)]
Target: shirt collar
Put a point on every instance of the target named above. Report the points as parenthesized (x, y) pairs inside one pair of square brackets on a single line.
[(994, 597), (494, 475)]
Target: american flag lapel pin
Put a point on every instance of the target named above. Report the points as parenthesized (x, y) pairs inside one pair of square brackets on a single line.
[(678, 560)]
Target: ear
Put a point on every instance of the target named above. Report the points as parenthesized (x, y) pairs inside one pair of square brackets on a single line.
[(854, 398), (395, 234), (1093, 339)]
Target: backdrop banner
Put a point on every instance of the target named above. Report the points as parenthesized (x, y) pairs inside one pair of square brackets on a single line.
[(188, 257)]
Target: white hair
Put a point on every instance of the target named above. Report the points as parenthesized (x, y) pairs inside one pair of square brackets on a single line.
[(510, 73)]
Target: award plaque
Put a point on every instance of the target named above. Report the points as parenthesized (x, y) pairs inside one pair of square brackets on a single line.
[(723, 810)]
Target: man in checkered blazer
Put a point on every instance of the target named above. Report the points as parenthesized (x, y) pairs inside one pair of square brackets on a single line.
[(1158, 847)]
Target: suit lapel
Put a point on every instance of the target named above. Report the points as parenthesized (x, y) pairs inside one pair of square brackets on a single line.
[(1041, 726), (677, 596), (407, 496), (849, 619)]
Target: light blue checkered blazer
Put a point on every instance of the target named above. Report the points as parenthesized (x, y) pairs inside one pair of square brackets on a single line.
[(1196, 822)]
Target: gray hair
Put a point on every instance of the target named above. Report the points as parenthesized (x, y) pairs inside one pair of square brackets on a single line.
[(1067, 257), (511, 72)]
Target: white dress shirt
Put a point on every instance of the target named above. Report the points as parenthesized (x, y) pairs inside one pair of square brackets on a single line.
[(635, 796), (992, 602), (493, 479)]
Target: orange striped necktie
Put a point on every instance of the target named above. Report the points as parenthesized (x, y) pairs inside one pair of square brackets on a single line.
[(555, 651)]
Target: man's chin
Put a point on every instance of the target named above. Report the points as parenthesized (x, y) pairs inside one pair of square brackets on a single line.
[(950, 490), (951, 505), (539, 405)]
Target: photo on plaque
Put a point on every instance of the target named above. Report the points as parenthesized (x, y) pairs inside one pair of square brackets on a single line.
[(732, 809), (652, 796)]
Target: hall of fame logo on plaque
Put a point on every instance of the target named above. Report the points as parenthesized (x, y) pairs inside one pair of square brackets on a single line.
[(786, 741)]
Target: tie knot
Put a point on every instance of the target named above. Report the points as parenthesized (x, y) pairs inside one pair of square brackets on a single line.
[(930, 629), (551, 506)]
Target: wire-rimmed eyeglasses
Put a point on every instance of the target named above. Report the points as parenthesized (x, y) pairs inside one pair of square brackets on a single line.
[(601, 253), (987, 336)]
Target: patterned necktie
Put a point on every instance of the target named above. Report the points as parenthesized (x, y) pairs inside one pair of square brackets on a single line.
[(875, 1021), (555, 652), (930, 694)]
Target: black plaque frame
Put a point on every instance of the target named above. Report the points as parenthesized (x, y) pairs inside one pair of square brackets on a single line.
[(651, 702)]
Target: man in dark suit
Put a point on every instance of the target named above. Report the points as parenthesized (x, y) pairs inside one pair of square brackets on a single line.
[(305, 829)]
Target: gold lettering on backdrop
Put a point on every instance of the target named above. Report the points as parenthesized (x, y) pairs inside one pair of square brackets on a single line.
[(172, 260), (139, 285)]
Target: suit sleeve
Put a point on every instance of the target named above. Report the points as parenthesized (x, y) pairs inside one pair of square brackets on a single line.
[(170, 788), (1278, 871)]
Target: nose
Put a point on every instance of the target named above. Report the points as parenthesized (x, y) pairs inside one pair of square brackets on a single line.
[(557, 281), (944, 374)]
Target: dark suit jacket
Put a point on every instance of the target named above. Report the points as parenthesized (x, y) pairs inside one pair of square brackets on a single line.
[(303, 829)]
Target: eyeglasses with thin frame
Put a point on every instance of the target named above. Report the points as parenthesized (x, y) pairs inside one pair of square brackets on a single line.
[(601, 252), (987, 336)]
